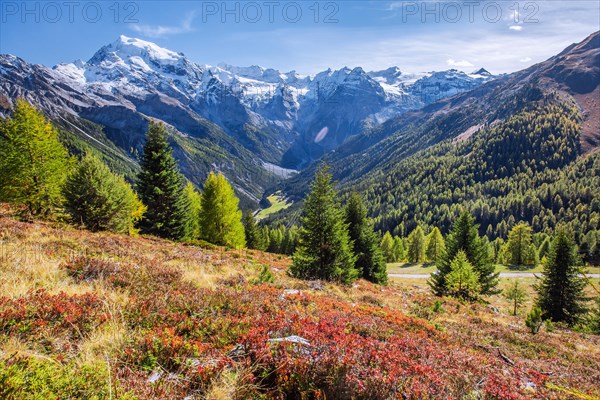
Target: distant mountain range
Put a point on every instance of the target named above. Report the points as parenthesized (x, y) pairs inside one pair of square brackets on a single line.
[(247, 122)]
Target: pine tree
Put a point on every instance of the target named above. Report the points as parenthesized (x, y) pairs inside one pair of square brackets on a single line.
[(561, 290), (324, 250), (221, 218), (518, 247), (534, 320), (464, 236), (99, 199), (462, 280), (387, 248), (255, 238), (435, 245), (33, 162), (193, 207), (160, 187), (516, 294), (416, 246), (369, 258)]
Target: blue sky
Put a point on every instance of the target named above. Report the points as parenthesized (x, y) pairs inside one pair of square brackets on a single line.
[(308, 36)]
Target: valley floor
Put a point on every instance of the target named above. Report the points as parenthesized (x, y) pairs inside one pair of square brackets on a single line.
[(98, 315)]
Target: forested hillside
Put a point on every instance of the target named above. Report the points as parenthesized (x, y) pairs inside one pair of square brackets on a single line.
[(520, 169)]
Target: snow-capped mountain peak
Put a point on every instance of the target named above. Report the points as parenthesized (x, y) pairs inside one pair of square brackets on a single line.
[(126, 48), (389, 76)]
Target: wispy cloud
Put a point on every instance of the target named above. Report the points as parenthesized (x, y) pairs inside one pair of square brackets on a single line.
[(160, 31), (525, 59), (395, 5), (462, 63), (517, 28)]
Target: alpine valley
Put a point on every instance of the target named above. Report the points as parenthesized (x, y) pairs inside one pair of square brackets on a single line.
[(253, 124), (454, 138)]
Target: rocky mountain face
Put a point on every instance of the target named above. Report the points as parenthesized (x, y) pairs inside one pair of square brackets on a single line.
[(237, 120)]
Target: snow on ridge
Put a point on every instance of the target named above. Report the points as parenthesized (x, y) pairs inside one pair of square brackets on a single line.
[(137, 47)]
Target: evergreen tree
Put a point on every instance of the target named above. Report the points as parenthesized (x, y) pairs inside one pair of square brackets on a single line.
[(193, 207), (255, 238), (534, 320), (221, 218), (464, 237), (160, 187), (519, 246), (462, 279), (435, 245), (33, 162), (275, 240), (398, 250), (324, 250), (516, 294), (99, 199), (387, 248), (369, 258), (290, 240), (561, 290), (416, 246)]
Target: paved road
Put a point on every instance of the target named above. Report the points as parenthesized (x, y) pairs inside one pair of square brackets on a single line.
[(502, 275)]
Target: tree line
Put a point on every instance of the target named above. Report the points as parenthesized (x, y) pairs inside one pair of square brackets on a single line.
[(524, 168)]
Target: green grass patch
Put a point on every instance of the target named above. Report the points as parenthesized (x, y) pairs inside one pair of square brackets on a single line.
[(277, 203), (428, 268)]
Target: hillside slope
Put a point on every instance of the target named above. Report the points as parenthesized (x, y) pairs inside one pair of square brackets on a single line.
[(160, 320)]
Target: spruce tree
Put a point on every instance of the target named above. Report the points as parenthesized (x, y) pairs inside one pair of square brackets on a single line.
[(560, 294), (518, 248), (193, 207), (33, 162), (99, 199), (369, 258), (416, 246), (464, 236), (435, 245), (255, 238), (160, 187), (324, 250), (221, 218)]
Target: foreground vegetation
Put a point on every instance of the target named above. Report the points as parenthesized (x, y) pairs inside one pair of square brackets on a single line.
[(98, 315)]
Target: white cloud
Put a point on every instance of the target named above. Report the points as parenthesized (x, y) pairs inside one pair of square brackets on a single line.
[(517, 28), (395, 5), (462, 63), (160, 31), (525, 59)]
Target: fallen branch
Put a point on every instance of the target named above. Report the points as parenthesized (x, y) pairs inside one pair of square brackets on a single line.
[(505, 358)]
